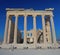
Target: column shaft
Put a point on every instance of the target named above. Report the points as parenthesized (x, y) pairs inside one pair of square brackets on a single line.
[(53, 29), (15, 30), (43, 25), (25, 29), (6, 29), (48, 31), (9, 29), (34, 26)]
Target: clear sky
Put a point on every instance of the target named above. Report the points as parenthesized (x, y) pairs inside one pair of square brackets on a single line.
[(35, 4)]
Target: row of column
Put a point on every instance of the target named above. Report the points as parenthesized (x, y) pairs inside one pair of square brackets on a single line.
[(53, 30), (25, 29)]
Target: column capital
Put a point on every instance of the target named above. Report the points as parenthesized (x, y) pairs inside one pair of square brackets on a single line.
[(42, 15), (51, 15), (34, 16), (25, 15), (16, 15)]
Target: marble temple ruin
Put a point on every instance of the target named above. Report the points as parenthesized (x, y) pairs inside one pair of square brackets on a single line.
[(45, 38)]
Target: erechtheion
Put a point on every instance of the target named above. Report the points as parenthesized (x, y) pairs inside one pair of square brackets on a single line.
[(45, 38)]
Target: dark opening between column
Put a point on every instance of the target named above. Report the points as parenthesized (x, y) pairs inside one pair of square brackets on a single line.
[(20, 30), (30, 39)]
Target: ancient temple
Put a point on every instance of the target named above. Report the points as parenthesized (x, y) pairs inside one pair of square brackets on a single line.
[(34, 38)]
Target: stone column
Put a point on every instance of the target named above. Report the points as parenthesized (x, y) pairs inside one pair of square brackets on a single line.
[(53, 29), (34, 27), (43, 25), (6, 29), (25, 29), (15, 30), (49, 32), (9, 29)]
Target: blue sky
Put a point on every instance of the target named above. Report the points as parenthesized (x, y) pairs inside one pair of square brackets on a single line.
[(35, 4)]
